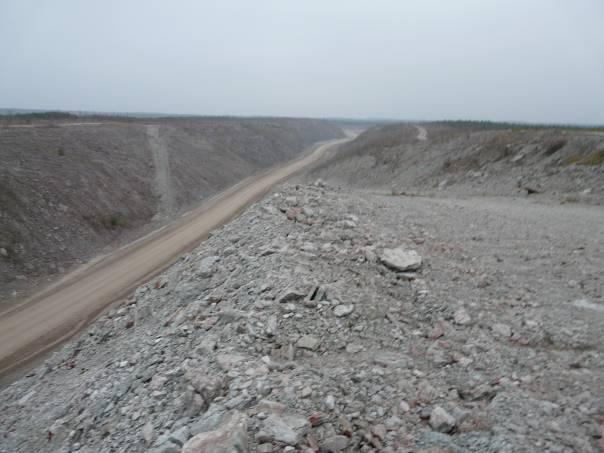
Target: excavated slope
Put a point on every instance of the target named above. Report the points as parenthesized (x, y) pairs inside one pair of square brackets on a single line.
[(67, 190), (565, 165)]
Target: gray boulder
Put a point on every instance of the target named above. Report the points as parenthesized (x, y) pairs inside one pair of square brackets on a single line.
[(401, 259), (229, 437), (286, 428)]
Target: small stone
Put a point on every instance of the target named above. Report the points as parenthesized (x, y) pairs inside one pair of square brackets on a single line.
[(228, 361), (147, 433), (24, 399), (461, 317), (3, 252), (390, 359), (379, 431), (290, 295), (208, 386), (596, 406), (207, 346), (308, 342), (157, 382), (352, 348), (343, 310), (317, 419), (271, 407), (334, 444), (264, 448), (345, 426), (393, 423), (502, 330), (229, 437), (162, 282), (272, 326), (401, 259), (404, 406), (441, 420), (206, 266), (437, 331), (306, 392), (180, 436), (330, 402), (286, 428)]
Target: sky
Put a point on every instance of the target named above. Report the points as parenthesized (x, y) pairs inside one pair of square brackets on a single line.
[(515, 60)]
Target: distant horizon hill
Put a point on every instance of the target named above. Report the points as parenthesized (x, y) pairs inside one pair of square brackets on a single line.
[(50, 114)]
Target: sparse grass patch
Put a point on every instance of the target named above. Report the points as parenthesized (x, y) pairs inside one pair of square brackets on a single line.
[(594, 159), (60, 152), (108, 221), (573, 159), (114, 221), (9, 244)]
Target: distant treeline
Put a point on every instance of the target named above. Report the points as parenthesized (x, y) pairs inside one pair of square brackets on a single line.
[(8, 117), (468, 124)]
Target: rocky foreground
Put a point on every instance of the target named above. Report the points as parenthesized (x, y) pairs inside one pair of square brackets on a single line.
[(329, 320)]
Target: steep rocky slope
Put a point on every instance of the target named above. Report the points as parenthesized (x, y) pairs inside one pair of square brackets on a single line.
[(297, 328), (69, 189), (566, 165)]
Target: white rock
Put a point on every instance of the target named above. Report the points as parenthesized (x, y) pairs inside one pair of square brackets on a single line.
[(502, 330), (441, 420), (147, 433), (306, 392), (353, 348), (330, 402), (343, 310), (462, 317), (401, 259), (308, 342), (206, 266), (272, 326)]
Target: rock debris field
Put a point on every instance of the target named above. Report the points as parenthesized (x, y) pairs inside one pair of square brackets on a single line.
[(331, 320)]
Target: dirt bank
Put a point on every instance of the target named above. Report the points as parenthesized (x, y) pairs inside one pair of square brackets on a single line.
[(565, 165), (69, 191)]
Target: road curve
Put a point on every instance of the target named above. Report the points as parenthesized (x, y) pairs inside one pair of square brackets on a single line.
[(422, 133), (54, 315)]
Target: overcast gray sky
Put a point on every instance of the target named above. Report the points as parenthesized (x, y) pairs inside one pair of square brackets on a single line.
[(528, 60)]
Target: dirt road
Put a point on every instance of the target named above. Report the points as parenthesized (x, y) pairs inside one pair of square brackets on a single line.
[(54, 315), (422, 133), (161, 160)]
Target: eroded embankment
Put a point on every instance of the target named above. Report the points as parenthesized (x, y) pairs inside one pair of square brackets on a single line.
[(68, 192)]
